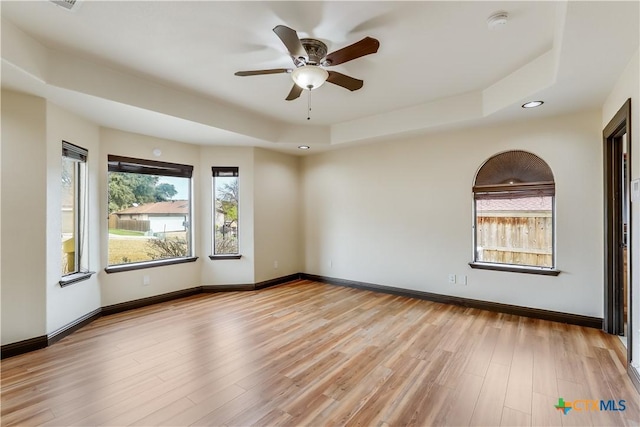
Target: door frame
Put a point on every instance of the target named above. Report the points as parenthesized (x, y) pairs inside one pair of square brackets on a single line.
[(613, 163)]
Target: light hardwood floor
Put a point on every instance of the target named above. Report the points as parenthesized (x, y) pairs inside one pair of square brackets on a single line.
[(307, 353)]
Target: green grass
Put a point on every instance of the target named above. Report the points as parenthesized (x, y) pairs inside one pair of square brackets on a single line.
[(125, 232)]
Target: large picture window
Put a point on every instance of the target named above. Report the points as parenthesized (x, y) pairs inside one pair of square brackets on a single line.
[(149, 211), (74, 209), (514, 212), (225, 211)]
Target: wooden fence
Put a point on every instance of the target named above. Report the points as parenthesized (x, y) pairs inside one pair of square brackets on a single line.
[(510, 239), (129, 224)]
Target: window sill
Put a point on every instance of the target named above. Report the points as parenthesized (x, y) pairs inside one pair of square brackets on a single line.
[(515, 268), (217, 257), (70, 279), (148, 264)]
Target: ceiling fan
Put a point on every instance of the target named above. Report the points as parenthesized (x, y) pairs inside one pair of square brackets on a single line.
[(310, 59)]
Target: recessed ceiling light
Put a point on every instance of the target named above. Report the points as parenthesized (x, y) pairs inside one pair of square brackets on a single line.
[(532, 104), (303, 147)]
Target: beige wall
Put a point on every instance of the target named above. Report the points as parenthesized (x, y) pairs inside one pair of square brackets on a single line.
[(395, 213), (33, 303), (628, 86), (64, 305), (24, 217), (277, 236), (400, 213)]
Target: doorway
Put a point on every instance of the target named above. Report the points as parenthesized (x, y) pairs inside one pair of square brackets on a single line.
[(617, 172)]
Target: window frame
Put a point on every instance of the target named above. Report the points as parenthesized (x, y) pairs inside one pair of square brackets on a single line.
[(515, 268), (217, 172), (79, 156), (519, 189), (116, 163)]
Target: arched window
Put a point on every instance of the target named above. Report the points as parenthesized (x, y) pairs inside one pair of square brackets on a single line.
[(514, 213)]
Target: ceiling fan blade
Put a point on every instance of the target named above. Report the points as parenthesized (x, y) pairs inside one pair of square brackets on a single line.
[(366, 46), (295, 92), (259, 72), (291, 40), (344, 81)]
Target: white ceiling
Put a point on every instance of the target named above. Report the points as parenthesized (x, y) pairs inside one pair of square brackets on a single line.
[(165, 68)]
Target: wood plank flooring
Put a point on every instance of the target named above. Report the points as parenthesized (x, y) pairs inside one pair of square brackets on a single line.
[(307, 353)]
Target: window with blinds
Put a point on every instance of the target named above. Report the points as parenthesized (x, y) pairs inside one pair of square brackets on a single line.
[(514, 198), (225, 211), (74, 200), (150, 219)]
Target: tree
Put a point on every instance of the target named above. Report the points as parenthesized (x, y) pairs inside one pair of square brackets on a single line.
[(164, 191), (127, 189), (227, 198), (226, 239)]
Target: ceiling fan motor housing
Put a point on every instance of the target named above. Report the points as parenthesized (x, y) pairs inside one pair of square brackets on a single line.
[(316, 51)]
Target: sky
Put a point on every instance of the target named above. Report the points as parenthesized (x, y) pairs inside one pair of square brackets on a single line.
[(181, 185)]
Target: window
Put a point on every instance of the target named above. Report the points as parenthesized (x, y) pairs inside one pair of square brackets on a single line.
[(149, 213), (225, 212), (74, 210), (514, 213)]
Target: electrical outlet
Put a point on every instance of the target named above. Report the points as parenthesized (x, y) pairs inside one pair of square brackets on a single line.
[(146, 281), (462, 280), (452, 279), (275, 264)]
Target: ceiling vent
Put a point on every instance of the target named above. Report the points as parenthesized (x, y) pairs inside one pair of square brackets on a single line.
[(67, 4)]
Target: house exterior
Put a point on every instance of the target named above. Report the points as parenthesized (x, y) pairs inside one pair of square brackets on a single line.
[(163, 217)]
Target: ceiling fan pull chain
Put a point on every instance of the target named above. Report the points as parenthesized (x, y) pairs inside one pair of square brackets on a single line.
[(309, 105)]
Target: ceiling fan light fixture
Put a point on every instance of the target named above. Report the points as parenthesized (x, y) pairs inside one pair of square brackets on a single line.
[(309, 77)]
